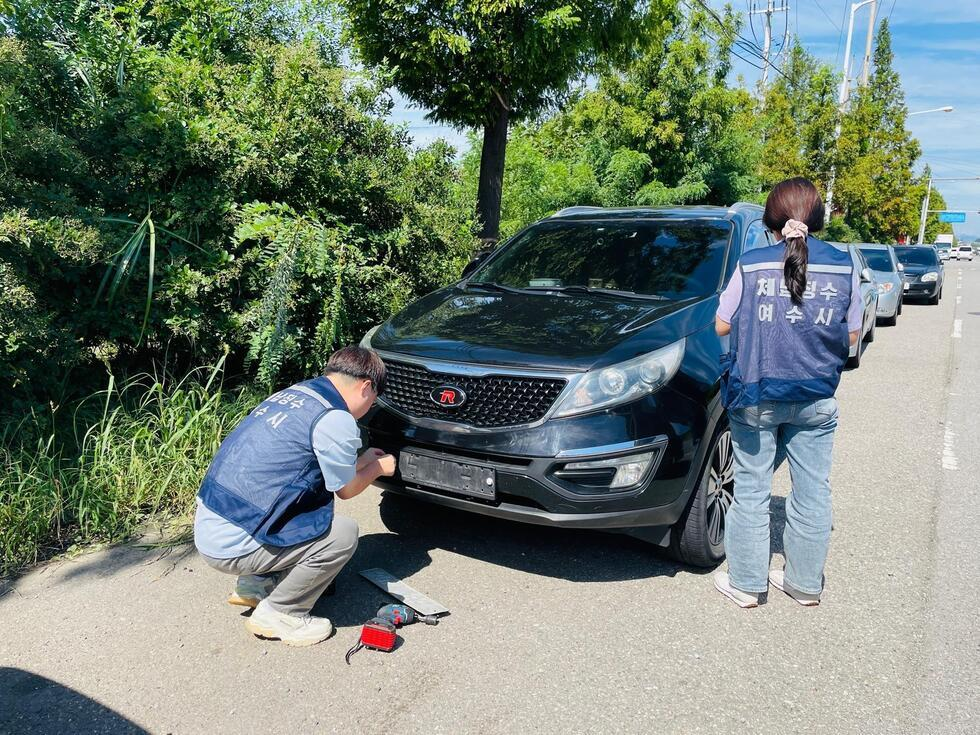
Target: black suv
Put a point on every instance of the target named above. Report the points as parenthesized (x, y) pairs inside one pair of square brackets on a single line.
[(571, 378)]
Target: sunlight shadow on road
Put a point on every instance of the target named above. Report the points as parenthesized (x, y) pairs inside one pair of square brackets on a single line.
[(30, 703)]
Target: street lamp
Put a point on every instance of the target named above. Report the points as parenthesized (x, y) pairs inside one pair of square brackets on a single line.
[(947, 108), (841, 102)]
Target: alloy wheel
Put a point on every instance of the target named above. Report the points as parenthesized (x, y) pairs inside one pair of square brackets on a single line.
[(721, 487)]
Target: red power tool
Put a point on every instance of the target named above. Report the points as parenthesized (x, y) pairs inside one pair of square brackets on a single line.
[(379, 632)]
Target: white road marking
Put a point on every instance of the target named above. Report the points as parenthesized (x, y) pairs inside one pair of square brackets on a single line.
[(949, 455), (957, 328), (959, 299)]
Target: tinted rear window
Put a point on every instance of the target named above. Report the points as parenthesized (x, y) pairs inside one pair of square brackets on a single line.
[(917, 256), (878, 260), (668, 258)]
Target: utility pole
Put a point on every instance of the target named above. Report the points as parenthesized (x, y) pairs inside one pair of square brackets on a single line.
[(842, 103), (768, 12), (867, 44)]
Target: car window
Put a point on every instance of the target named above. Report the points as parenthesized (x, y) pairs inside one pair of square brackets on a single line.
[(878, 260), (673, 259), (756, 236), (917, 255)]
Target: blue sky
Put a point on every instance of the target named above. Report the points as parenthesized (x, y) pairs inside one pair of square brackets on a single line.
[(937, 53)]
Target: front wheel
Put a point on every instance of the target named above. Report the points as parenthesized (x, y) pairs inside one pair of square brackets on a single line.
[(698, 538)]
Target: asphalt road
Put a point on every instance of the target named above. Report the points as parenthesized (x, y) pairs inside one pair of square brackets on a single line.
[(562, 631)]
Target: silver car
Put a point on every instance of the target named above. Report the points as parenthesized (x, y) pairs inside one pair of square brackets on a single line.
[(869, 297), (888, 273)]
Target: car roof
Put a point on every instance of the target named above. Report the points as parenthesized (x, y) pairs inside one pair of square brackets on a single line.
[(873, 245), (740, 210)]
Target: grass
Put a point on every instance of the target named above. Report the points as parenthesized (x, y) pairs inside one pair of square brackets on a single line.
[(139, 452)]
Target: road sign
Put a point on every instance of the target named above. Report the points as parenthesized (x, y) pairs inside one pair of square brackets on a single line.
[(952, 216)]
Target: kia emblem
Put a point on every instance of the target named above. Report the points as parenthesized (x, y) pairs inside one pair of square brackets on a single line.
[(447, 396)]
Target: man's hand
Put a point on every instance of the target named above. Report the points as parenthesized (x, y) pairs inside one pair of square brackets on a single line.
[(371, 455), (370, 466), (387, 464)]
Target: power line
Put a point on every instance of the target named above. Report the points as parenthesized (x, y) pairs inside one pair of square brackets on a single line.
[(840, 36), (832, 21), (892, 10), (742, 42)]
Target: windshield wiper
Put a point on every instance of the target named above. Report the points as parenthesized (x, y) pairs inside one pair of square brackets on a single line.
[(490, 286), (608, 292)]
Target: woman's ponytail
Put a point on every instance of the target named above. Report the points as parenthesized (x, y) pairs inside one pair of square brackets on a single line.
[(794, 208), (794, 263)]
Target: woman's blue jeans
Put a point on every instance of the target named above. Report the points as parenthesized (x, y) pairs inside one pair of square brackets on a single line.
[(762, 435)]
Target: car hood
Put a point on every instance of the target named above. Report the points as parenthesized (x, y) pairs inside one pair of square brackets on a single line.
[(547, 330), (918, 270), (882, 276)]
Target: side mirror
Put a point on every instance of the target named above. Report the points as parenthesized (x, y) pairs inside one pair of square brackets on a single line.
[(471, 266), (901, 268), (866, 276)]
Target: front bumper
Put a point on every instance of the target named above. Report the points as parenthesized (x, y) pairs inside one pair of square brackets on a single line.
[(526, 459), (918, 289), (888, 303)]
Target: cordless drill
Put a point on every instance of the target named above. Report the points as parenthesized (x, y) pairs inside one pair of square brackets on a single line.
[(379, 632)]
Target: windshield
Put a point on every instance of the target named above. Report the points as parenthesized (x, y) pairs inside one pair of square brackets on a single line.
[(917, 256), (878, 260), (667, 259)]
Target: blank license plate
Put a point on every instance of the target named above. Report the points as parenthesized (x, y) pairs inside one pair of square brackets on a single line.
[(455, 477), (906, 286)]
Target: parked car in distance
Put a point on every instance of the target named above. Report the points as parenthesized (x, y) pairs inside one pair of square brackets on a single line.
[(943, 252), (924, 272), (572, 378), (964, 252), (869, 297), (888, 275)]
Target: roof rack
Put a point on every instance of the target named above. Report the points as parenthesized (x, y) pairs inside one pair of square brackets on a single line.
[(744, 205), (576, 210)]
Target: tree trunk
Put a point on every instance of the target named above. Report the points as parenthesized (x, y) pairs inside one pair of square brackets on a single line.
[(492, 175)]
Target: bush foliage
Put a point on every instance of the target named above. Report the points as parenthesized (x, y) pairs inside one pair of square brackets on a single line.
[(216, 164)]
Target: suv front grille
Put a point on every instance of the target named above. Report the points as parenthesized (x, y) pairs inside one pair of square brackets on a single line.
[(491, 400)]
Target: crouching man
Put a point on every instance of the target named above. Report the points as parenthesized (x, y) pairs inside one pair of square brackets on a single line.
[(266, 507)]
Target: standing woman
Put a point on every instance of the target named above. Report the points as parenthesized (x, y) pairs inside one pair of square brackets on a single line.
[(793, 310)]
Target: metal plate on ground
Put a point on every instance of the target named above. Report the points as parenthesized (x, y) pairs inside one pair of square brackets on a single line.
[(461, 478), (402, 592)]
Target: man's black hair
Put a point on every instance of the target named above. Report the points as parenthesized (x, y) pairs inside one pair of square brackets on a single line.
[(359, 363)]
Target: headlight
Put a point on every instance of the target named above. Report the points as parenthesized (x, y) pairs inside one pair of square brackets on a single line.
[(366, 339), (624, 382), (884, 288), (930, 277)]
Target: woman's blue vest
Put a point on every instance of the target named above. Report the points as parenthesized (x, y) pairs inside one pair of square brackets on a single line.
[(265, 477), (781, 351)]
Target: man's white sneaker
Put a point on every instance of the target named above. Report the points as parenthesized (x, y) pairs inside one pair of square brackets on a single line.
[(742, 599), (250, 590), (777, 580), (290, 629)]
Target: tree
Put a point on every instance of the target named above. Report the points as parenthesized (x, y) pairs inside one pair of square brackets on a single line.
[(798, 116), (660, 127), (486, 64)]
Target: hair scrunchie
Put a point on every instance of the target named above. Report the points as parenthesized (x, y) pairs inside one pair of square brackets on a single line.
[(795, 228)]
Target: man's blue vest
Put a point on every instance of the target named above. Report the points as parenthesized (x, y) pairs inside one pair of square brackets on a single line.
[(265, 477), (781, 351)]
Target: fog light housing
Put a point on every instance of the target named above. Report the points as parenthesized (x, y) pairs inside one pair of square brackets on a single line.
[(628, 471)]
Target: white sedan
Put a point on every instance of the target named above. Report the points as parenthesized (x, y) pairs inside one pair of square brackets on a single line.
[(963, 252)]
